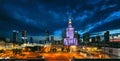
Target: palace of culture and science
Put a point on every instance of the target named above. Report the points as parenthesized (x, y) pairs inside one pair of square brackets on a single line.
[(70, 40)]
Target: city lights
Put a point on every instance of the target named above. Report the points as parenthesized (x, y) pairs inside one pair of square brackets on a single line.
[(59, 30)]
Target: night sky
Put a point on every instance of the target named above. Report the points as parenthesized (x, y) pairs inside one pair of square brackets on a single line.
[(36, 16)]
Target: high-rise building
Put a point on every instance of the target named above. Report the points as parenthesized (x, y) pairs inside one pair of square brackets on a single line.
[(76, 35), (52, 39), (86, 38), (70, 40), (47, 36), (93, 39), (106, 36), (15, 36), (31, 40), (63, 35), (24, 37), (97, 39)]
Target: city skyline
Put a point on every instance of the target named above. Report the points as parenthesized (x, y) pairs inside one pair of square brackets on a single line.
[(59, 30), (37, 16)]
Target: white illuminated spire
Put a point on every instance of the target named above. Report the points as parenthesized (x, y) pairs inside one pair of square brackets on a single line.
[(70, 23)]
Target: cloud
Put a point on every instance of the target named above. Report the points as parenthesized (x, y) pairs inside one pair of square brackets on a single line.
[(37, 16), (54, 14), (112, 32), (112, 17), (104, 7), (93, 2)]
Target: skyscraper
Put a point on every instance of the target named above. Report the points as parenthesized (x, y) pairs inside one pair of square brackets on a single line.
[(93, 39), (76, 35), (63, 35), (52, 39), (86, 38), (106, 36), (15, 36), (70, 40), (47, 36), (31, 40), (24, 38), (97, 39)]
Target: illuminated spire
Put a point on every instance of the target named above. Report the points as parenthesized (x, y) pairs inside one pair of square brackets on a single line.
[(70, 23)]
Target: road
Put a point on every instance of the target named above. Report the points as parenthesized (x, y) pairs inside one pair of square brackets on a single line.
[(61, 56), (56, 56)]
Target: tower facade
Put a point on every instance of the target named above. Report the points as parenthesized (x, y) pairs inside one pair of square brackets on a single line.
[(15, 36), (47, 36), (97, 39), (86, 38), (76, 35), (31, 40), (63, 35), (70, 40), (106, 36), (24, 38), (52, 39)]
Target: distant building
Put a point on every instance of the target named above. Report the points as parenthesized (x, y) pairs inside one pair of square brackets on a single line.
[(115, 38), (52, 39), (97, 39), (15, 36), (47, 36), (106, 36), (24, 37), (76, 35), (31, 40), (86, 38), (93, 39), (113, 52), (63, 35)]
